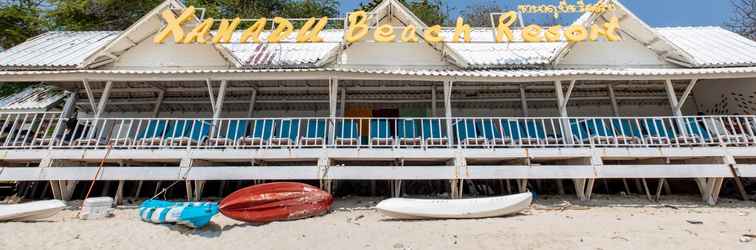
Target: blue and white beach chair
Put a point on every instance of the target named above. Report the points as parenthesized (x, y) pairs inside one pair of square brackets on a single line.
[(191, 214)]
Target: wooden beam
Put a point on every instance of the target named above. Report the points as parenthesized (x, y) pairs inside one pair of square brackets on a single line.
[(90, 95), (158, 103), (613, 99), (524, 101), (687, 92), (211, 93), (103, 99), (568, 94), (252, 101)]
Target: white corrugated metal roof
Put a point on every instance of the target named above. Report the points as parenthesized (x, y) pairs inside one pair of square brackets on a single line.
[(712, 46), (55, 49), (66, 50), (485, 73), (35, 97), (285, 54)]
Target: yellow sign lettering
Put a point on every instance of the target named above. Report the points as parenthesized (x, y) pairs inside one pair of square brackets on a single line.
[(313, 36), (608, 31), (283, 29), (461, 29), (409, 34), (384, 34), (358, 27), (576, 33), (226, 31), (505, 21), (553, 33), (532, 33), (433, 34), (173, 25), (253, 32), (199, 33)]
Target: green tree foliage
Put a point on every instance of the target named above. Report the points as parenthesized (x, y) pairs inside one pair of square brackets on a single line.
[(20, 20), (267, 8), (84, 15), (478, 14), (431, 12)]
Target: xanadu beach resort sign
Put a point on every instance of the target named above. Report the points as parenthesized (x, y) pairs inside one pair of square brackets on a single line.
[(357, 29)]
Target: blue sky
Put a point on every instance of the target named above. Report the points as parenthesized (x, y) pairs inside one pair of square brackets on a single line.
[(656, 13)]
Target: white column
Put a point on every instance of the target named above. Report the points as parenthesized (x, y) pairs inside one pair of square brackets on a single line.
[(333, 88), (523, 101), (562, 103), (219, 106), (448, 109), (676, 111)]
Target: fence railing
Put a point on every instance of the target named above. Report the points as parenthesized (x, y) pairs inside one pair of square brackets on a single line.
[(47, 130)]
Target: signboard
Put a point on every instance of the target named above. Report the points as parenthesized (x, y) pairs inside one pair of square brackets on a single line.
[(357, 29)]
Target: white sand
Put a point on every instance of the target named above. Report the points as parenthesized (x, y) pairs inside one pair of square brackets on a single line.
[(607, 222)]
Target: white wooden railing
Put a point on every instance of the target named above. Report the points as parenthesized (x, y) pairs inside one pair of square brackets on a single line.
[(46, 130)]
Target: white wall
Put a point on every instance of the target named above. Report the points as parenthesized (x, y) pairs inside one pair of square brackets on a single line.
[(170, 56), (626, 53), (726, 97)]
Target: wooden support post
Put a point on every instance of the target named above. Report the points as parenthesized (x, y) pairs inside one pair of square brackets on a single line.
[(158, 103), (645, 188), (138, 190), (119, 193), (104, 99), (199, 186), (659, 188), (613, 99), (105, 188), (189, 190), (221, 188)]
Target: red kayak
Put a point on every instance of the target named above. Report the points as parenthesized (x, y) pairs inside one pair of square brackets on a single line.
[(276, 202)]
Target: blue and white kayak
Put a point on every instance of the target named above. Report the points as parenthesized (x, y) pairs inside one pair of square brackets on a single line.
[(191, 214)]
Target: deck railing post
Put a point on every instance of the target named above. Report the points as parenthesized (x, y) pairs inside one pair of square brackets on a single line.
[(68, 109)]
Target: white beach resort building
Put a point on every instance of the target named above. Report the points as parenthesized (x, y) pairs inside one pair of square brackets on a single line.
[(659, 104)]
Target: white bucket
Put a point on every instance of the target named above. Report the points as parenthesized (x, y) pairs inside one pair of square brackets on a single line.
[(96, 208)]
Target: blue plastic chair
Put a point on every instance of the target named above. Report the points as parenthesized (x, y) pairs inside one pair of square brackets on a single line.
[(406, 129), (154, 128), (465, 129), (315, 129), (287, 129), (626, 127), (262, 129), (488, 129), (200, 130), (511, 129), (379, 129), (236, 129), (694, 128), (347, 129), (578, 130), (432, 129), (657, 128), (598, 127), (534, 129)]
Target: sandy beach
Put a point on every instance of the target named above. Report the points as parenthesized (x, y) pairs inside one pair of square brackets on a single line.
[(606, 222)]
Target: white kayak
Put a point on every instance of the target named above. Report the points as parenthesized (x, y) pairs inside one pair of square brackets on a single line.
[(30, 211), (402, 208)]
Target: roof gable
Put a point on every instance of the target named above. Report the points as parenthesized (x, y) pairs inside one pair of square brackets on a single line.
[(142, 32), (633, 28)]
